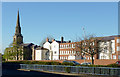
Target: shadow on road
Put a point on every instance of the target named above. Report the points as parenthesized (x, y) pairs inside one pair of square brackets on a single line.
[(19, 73)]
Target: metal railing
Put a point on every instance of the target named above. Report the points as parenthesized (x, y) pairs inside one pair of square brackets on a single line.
[(73, 69)]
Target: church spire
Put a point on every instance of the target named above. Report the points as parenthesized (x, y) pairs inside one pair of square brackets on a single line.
[(18, 38), (18, 28), (18, 19)]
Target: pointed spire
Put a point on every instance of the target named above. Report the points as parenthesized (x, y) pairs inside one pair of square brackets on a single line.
[(18, 28), (18, 20)]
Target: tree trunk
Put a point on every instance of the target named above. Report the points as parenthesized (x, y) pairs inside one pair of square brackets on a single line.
[(17, 53), (92, 59)]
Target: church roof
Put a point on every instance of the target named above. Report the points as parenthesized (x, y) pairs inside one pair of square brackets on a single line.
[(27, 44)]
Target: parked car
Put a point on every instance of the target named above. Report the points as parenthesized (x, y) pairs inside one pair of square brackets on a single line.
[(118, 62), (86, 63), (74, 62)]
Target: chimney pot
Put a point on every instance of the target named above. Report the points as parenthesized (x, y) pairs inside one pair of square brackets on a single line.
[(62, 39), (53, 40), (47, 39)]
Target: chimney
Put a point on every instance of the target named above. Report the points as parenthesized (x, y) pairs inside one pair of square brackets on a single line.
[(69, 41), (47, 39), (62, 39), (53, 40)]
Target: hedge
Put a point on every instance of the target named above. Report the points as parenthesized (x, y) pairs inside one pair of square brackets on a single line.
[(57, 63)]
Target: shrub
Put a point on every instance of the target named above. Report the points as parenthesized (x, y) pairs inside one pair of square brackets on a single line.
[(67, 69), (55, 63), (66, 63), (113, 65), (33, 62)]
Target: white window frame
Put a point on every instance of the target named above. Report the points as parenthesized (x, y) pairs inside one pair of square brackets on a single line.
[(114, 56)]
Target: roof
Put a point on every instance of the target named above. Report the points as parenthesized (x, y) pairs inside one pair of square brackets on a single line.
[(27, 44), (107, 38), (41, 48), (63, 41)]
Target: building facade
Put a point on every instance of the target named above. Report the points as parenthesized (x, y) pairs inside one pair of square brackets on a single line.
[(110, 46), (41, 53)]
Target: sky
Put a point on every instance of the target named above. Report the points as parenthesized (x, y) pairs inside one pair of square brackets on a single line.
[(56, 19)]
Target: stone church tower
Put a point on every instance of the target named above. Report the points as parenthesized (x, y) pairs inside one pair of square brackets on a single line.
[(18, 38)]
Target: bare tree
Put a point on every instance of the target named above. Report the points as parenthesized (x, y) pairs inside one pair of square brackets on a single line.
[(87, 46)]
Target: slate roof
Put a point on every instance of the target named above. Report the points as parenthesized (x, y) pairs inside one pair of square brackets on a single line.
[(107, 38), (27, 44), (63, 41)]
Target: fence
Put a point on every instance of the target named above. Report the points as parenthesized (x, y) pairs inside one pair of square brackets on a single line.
[(73, 69)]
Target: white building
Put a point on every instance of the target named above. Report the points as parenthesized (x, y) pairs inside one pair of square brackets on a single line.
[(41, 53), (53, 48), (108, 49)]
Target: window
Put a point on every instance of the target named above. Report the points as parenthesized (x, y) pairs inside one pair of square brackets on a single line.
[(114, 56), (93, 43), (55, 52), (118, 48), (61, 46), (72, 51), (103, 57), (61, 57), (118, 40), (105, 49), (66, 46), (118, 56), (72, 45), (50, 48), (105, 43)]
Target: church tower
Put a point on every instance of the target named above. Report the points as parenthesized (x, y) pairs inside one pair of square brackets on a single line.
[(18, 38)]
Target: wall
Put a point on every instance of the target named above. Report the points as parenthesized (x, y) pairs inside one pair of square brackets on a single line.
[(96, 62), (38, 55), (55, 50)]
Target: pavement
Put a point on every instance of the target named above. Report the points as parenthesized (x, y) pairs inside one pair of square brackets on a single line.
[(32, 73)]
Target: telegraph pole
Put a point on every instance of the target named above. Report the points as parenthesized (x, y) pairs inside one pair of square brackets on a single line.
[(84, 42)]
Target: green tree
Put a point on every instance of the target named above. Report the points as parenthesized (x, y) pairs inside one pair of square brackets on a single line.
[(13, 51)]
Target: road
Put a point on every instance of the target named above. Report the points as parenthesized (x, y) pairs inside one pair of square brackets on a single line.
[(21, 73)]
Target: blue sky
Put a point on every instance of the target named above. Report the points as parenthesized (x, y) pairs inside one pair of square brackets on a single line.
[(41, 19)]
